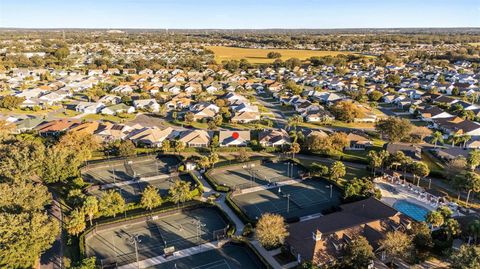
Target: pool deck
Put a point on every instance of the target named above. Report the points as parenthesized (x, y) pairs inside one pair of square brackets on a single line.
[(391, 193)]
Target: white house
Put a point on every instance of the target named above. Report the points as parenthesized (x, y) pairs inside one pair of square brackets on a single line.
[(89, 107), (147, 104)]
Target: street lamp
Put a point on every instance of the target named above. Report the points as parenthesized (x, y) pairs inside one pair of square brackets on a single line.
[(135, 240)]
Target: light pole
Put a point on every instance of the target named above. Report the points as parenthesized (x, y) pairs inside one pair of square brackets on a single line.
[(288, 203), (331, 190), (199, 227), (135, 240), (288, 169)]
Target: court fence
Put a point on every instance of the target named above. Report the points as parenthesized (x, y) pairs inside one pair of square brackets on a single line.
[(139, 217)]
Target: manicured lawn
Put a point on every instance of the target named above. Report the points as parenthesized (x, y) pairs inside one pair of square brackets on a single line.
[(352, 172), (258, 56), (433, 163), (337, 123), (112, 118)]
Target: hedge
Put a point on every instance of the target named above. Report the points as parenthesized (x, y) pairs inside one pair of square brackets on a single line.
[(253, 249), (245, 219)]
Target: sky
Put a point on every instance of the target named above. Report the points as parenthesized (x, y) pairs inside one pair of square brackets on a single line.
[(243, 14)]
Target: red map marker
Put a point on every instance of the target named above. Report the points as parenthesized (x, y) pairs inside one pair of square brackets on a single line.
[(235, 135)]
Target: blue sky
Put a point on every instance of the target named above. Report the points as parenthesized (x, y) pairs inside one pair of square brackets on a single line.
[(227, 14)]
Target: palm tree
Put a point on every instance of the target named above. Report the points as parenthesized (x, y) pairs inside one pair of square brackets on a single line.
[(465, 139), (437, 137), (474, 230), (453, 138)]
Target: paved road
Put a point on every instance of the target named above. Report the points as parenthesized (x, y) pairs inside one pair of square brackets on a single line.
[(53, 258), (274, 107)]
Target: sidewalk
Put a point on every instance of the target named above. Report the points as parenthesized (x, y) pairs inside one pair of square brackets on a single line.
[(208, 190)]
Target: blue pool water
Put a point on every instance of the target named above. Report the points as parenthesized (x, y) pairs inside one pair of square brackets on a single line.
[(412, 210)]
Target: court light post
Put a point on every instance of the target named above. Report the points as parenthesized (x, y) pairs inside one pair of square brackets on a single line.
[(288, 169), (135, 240), (288, 203), (331, 190)]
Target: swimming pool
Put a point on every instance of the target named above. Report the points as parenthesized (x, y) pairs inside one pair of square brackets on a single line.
[(412, 210)]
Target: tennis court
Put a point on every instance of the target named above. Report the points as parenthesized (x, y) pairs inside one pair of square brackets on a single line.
[(308, 197), (132, 192), (113, 171), (253, 174), (180, 230), (230, 256)]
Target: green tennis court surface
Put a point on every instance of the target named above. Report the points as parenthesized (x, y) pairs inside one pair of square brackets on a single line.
[(254, 174), (230, 256), (179, 230), (132, 193), (308, 197), (113, 171)]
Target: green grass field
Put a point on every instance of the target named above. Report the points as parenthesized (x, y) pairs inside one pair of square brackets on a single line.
[(259, 56)]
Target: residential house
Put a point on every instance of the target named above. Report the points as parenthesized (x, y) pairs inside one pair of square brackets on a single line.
[(410, 150), (273, 138), (147, 104), (55, 127), (118, 109), (89, 107), (150, 136), (357, 142), (245, 117), (195, 138), (233, 138)]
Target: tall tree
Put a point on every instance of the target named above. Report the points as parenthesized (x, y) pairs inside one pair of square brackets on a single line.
[(75, 223), (473, 159), (437, 137), (358, 254), (150, 198), (271, 230), (397, 244), (90, 207), (435, 218), (467, 257), (21, 160), (166, 146), (111, 203), (337, 170), (375, 161), (126, 148), (24, 236), (180, 191), (394, 129), (294, 149)]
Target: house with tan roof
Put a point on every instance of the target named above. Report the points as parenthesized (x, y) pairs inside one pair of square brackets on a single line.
[(245, 117), (233, 138), (151, 137), (273, 138), (111, 132), (195, 138)]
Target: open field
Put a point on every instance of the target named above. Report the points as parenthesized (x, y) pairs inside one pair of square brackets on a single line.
[(259, 56), (311, 196), (181, 230), (230, 256)]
